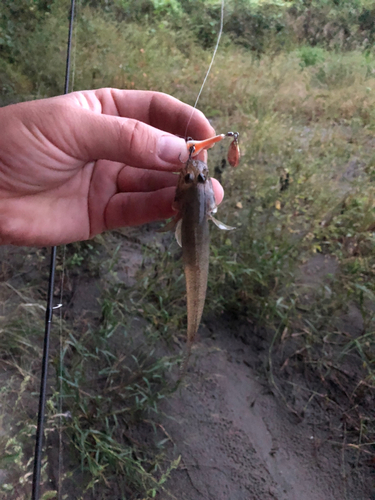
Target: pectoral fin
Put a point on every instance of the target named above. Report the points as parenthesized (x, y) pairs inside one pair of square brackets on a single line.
[(168, 227), (171, 225), (221, 225), (178, 232)]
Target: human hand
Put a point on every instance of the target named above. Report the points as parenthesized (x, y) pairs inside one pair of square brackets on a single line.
[(76, 165)]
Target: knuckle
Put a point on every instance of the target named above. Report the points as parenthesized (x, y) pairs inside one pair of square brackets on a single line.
[(140, 139), (9, 233)]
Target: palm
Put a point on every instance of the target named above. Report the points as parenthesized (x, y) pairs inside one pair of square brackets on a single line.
[(61, 164)]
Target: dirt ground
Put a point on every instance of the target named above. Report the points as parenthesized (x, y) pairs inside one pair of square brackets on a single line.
[(239, 441), (243, 434)]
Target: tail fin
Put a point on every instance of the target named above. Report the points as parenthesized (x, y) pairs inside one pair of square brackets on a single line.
[(185, 361)]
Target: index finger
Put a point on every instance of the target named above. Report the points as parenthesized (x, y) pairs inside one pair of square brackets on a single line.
[(159, 110)]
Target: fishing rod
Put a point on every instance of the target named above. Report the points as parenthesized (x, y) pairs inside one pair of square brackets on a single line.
[(49, 312)]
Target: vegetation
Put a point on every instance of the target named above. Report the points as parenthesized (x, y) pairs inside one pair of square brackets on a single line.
[(297, 79), (33, 34)]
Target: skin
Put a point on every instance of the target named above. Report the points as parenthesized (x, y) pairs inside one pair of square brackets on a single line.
[(74, 166)]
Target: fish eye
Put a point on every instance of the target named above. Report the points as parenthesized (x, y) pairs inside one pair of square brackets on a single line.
[(201, 178), (189, 178)]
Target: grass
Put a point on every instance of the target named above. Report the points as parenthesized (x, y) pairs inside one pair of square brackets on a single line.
[(112, 382), (306, 114)]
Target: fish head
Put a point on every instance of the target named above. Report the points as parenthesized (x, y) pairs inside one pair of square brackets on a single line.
[(195, 173), (194, 181)]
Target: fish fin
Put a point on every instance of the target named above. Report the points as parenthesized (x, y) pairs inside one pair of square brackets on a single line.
[(185, 361), (168, 227), (221, 225), (178, 232), (171, 225)]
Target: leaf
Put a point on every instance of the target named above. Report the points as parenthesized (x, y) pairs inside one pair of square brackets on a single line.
[(49, 494)]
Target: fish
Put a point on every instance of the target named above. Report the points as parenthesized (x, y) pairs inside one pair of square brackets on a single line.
[(195, 204)]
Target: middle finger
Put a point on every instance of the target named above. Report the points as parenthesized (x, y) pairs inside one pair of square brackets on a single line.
[(131, 179)]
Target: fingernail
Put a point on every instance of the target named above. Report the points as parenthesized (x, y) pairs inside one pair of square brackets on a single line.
[(172, 149)]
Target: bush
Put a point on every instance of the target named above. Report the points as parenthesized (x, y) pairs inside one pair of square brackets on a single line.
[(343, 25), (310, 56), (33, 35), (257, 27)]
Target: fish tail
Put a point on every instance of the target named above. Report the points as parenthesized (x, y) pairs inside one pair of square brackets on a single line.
[(185, 361), (193, 326)]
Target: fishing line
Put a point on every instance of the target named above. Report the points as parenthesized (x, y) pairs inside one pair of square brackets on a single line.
[(210, 66), (49, 313)]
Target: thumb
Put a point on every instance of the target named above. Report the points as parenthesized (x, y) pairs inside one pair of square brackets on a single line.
[(126, 140)]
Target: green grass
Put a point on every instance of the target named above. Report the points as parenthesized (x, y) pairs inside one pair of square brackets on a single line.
[(112, 382)]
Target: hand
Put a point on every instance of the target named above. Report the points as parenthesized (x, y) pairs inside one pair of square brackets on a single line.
[(76, 165)]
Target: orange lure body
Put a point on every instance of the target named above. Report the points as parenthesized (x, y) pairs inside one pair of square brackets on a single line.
[(234, 155)]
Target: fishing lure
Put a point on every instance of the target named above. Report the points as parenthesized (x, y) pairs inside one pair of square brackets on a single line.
[(234, 154)]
